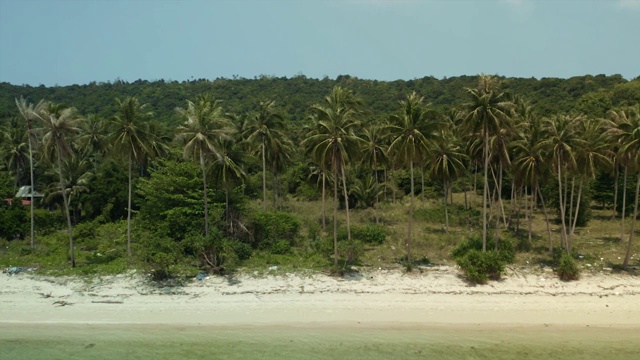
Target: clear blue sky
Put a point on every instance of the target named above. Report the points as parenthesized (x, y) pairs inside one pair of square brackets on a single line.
[(77, 41)]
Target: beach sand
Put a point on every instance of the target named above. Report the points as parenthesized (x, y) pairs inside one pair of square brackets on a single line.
[(375, 298)]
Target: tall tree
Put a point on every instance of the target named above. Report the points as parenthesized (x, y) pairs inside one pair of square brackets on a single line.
[(447, 163), (374, 154), (626, 130), (486, 112), (203, 123), (265, 132), (60, 125), (413, 128), (130, 138), (560, 141), (28, 111), (333, 140)]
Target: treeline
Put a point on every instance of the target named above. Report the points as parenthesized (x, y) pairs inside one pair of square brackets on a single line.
[(102, 153), (592, 95)]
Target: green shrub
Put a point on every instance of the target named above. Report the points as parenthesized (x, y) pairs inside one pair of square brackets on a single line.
[(47, 222), (480, 266), (272, 227), (242, 250), (506, 251), (369, 234), (567, 268), (281, 247), (14, 220)]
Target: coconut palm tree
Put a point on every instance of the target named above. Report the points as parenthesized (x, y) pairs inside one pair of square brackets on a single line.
[(529, 163), (15, 149), (203, 123), (627, 132), (264, 131), (130, 137), (228, 169), (412, 131), (59, 127), (374, 152), (28, 111), (560, 140), (333, 142), (447, 163), (489, 108)]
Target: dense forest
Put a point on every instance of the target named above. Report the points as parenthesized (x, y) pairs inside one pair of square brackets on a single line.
[(107, 161)]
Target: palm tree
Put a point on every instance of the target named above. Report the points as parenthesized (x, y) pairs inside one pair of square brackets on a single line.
[(14, 149), (203, 122), (60, 126), (529, 163), (333, 141), (413, 129), (560, 140), (374, 152), (447, 163), (227, 167), (265, 130), (627, 131), (489, 108), (130, 137), (28, 111)]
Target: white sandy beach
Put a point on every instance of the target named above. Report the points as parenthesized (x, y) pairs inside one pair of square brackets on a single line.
[(437, 296)]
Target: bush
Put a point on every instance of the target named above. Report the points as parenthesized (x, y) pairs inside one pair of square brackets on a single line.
[(281, 247), (506, 251), (272, 227), (567, 268), (370, 234), (14, 220), (480, 266)]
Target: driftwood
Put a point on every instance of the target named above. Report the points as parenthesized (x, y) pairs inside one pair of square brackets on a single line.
[(107, 302), (62, 303)]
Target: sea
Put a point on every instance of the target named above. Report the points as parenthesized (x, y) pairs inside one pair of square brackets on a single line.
[(308, 341)]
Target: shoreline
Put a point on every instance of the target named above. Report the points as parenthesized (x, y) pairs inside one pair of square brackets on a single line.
[(370, 299)]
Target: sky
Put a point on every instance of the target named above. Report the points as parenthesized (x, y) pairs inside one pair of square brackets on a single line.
[(63, 42)]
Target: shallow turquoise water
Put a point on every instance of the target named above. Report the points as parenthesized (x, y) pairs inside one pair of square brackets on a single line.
[(53, 341)]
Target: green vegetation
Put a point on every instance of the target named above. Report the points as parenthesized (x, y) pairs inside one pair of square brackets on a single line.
[(182, 178)]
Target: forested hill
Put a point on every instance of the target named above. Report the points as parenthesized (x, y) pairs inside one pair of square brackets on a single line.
[(593, 95)]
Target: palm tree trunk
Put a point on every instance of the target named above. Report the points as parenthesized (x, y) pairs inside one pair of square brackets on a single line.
[(633, 225), (615, 194), (531, 202), (375, 176), (573, 185), (575, 217), (446, 212), (33, 239), (324, 209), (264, 177), (205, 197), (66, 210), (335, 214), (129, 205), (546, 217), (563, 234), (624, 203), (484, 190), (346, 204), (410, 217), (422, 186)]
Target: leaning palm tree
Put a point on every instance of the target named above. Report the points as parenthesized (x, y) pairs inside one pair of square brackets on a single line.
[(489, 108), (130, 138), (413, 129), (203, 122), (265, 128), (28, 111), (333, 140), (59, 126)]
